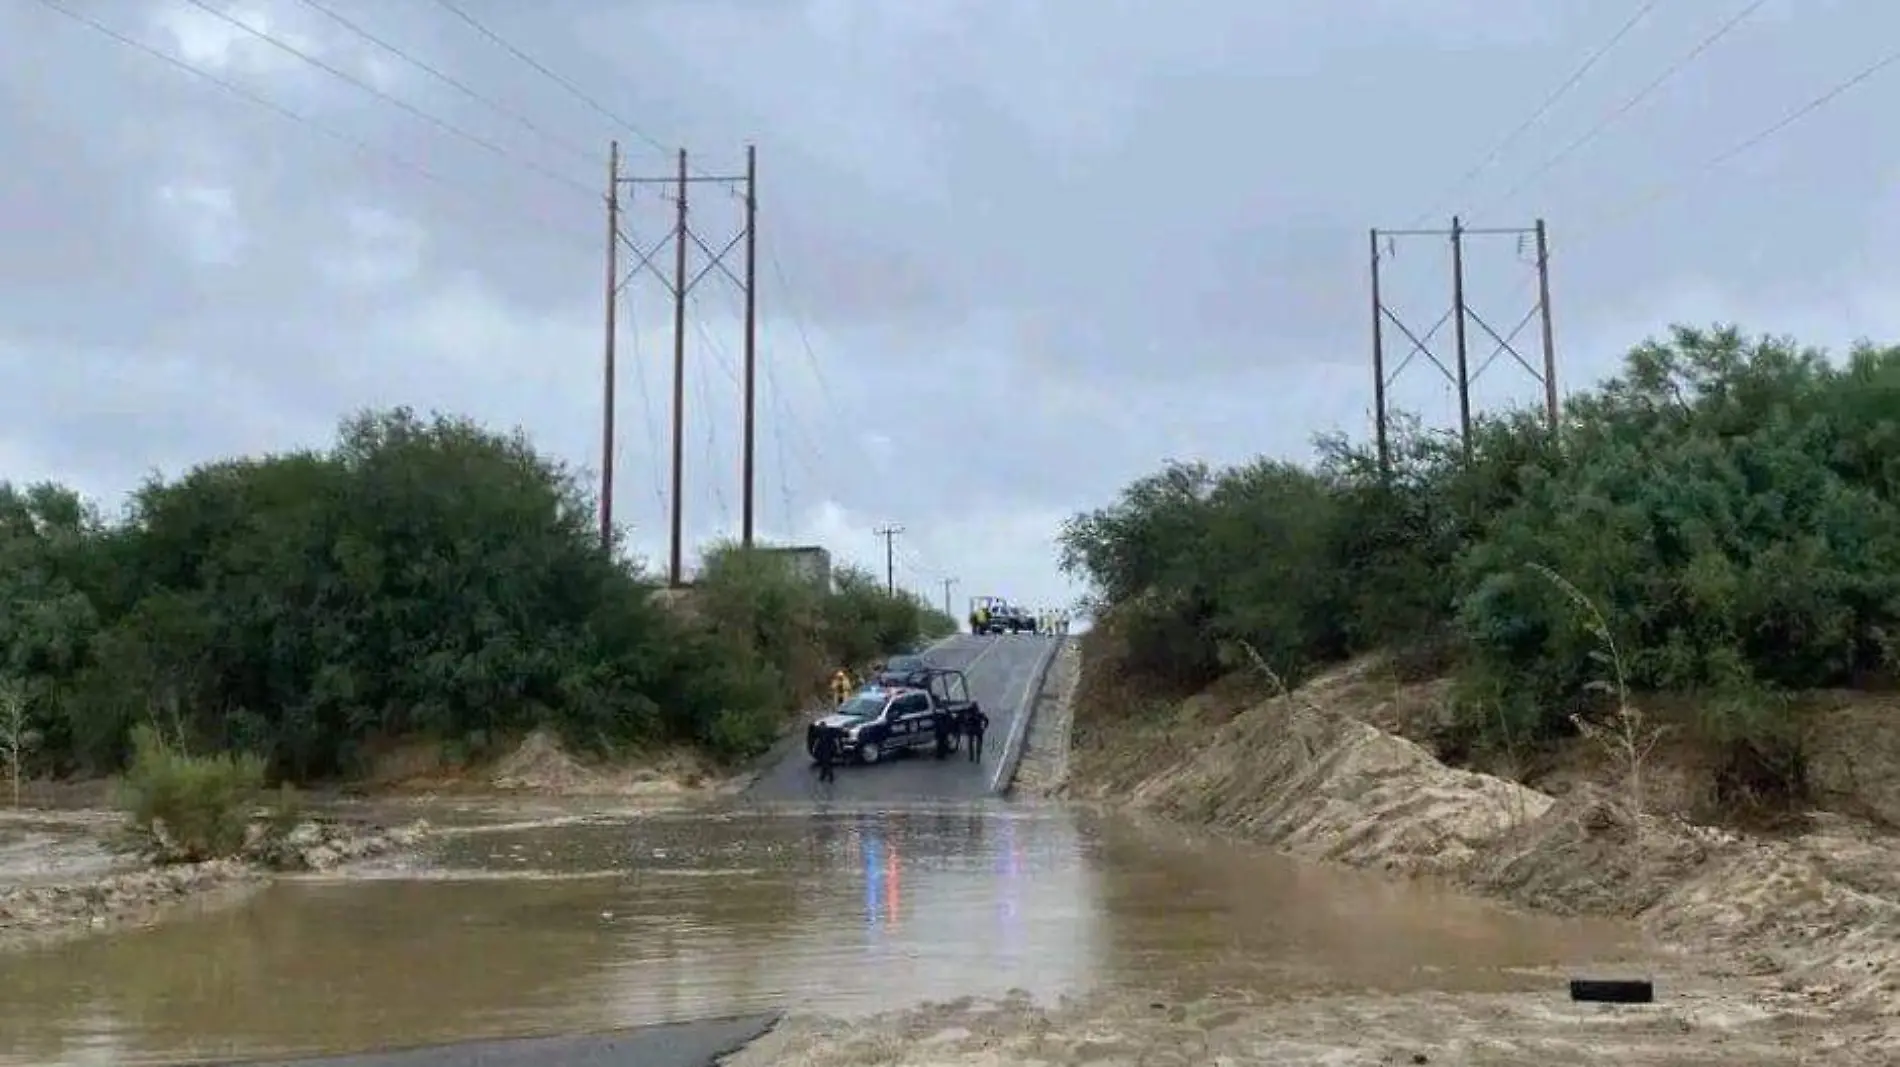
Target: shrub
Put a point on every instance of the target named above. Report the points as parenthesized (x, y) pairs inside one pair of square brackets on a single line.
[(421, 577), (1732, 504), (188, 809)]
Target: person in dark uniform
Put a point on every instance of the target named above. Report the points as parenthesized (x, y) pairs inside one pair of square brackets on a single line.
[(944, 725), (974, 723), (825, 751)]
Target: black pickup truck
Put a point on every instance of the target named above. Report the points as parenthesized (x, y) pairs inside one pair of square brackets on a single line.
[(881, 721)]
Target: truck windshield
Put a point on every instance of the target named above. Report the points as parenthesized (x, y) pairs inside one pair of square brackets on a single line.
[(862, 706)]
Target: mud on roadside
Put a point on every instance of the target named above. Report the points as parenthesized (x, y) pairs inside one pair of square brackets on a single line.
[(61, 875), (83, 884), (1700, 1029)]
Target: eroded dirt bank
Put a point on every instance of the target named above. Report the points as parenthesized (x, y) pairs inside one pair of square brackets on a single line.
[(1773, 951), (63, 872), (65, 878), (1817, 911)]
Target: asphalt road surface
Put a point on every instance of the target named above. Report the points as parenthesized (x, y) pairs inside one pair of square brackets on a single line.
[(693, 1044), (1001, 671)]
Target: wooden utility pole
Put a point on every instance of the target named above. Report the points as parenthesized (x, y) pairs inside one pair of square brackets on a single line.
[(1551, 413), (1461, 315), (675, 566), (607, 372), (747, 465), (1378, 364), (679, 286), (1459, 318), (947, 584), (889, 534)]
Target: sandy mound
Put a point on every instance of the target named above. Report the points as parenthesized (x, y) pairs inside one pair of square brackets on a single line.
[(1325, 786), (541, 765)]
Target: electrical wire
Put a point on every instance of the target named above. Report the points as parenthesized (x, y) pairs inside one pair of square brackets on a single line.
[(451, 81), (542, 227), (573, 90), (394, 101), (1576, 77), (1665, 190), (1734, 21), (804, 338)]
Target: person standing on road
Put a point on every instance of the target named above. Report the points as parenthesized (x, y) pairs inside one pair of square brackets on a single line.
[(943, 725), (825, 751), (974, 723), (981, 620)]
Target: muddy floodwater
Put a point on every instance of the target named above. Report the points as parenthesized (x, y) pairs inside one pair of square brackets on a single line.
[(588, 922)]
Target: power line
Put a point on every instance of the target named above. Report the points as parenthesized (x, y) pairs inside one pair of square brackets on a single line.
[(1664, 190), (573, 90), (1629, 105), (1557, 94), (804, 338), (542, 227), (450, 80), (439, 123)]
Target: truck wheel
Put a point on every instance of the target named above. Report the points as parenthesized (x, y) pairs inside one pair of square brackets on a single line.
[(870, 753)]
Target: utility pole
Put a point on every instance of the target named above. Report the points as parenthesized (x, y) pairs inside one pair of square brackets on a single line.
[(608, 376), (947, 584), (747, 469), (1384, 247), (889, 534), (680, 286), (674, 568)]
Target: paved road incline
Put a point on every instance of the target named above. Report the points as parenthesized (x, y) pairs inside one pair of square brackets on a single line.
[(1003, 673), (693, 1044)]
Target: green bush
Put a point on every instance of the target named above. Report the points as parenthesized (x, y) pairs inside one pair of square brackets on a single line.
[(187, 809), (421, 577), (1732, 503)]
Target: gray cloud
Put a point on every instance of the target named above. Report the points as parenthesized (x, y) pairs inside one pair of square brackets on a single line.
[(1027, 251)]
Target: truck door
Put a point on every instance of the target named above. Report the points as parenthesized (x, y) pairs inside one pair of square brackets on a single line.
[(910, 719)]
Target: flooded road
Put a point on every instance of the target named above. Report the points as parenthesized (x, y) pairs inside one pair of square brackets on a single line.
[(593, 923)]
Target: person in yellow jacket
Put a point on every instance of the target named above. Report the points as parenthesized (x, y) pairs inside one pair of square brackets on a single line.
[(982, 620), (841, 687)]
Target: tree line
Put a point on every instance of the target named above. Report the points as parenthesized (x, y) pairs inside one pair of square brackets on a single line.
[(1730, 503), (421, 577)]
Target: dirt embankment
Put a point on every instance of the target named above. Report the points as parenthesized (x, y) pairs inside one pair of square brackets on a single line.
[(1815, 913), (540, 765)]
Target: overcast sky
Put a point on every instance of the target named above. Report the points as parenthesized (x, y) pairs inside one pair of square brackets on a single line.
[(1012, 254)]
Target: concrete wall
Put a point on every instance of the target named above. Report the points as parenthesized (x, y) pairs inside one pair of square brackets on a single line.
[(811, 562)]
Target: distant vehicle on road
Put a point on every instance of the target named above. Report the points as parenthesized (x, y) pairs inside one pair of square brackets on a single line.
[(1004, 617), (903, 672), (881, 721)]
